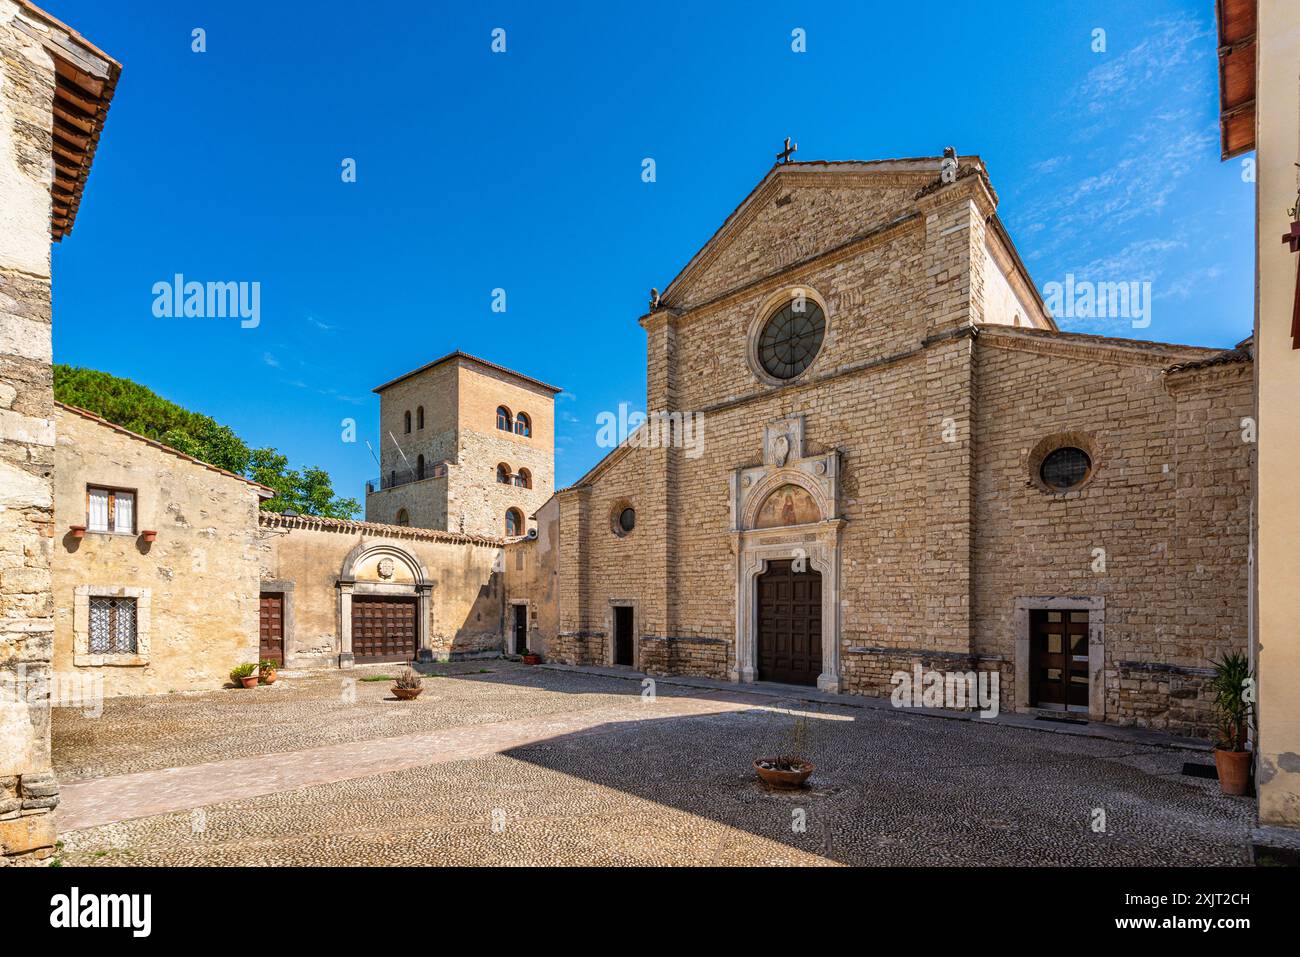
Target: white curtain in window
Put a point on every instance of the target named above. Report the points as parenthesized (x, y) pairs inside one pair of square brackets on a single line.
[(97, 517), (124, 512)]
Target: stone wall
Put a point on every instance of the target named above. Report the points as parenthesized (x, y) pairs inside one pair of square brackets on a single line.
[(27, 788), (466, 599), (933, 416), (196, 585)]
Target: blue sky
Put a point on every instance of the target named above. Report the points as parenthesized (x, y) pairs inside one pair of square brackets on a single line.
[(522, 171)]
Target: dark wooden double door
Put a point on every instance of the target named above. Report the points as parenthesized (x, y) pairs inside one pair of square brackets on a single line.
[(1058, 659), (789, 635), (383, 629)]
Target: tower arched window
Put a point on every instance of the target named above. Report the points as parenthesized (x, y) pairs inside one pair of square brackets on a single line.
[(403, 518), (419, 417), (514, 522), (524, 478), (503, 474), (523, 425), (407, 418), (419, 467), (503, 418)]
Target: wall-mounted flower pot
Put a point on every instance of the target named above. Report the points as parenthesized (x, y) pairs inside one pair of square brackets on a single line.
[(78, 531), (148, 535)]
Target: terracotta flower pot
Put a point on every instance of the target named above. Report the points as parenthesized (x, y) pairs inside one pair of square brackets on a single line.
[(407, 694), (532, 659), (268, 677), (148, 535), (1234, 770), (775, 777), (78, 531), (249, 682)]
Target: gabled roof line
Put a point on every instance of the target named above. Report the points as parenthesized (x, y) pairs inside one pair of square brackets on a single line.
[(262, 490), (457, 354)]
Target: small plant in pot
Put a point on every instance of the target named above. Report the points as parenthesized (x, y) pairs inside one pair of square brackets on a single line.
[(1234, 696), (407, 685), (245, 674), (267, 672), (788, 770), (532, 658)]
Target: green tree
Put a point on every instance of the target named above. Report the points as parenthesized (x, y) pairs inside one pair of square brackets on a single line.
[(140, 409)]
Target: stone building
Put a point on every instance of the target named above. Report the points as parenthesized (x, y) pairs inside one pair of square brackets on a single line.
[(467, 446), (870, 448), (55, 89), (337, 593), (156, 565)]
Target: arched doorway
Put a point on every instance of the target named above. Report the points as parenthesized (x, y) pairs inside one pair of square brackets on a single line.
[(789, 618), (383, 605)]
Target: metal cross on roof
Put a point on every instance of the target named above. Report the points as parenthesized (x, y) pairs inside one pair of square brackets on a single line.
[(784, 155)]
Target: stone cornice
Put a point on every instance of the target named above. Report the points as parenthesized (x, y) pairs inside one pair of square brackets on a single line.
[(1077, 346), (319, 523)]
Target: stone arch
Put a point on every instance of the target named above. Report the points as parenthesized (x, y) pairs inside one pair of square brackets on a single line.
[(407, 578), (363, 552), (774, 480)]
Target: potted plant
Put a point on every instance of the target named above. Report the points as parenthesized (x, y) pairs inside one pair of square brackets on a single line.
[(532, 658), (78, 531), (788, 771), (1233, 708), (407, 685), (266, 672), (149, 535), (245, 675)]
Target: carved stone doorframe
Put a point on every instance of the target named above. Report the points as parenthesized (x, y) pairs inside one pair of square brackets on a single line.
[(817, 542)]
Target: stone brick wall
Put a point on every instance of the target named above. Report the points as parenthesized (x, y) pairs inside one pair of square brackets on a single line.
[(27, 788), (933, 424), (701, 657), (196, 586), (460, 398)]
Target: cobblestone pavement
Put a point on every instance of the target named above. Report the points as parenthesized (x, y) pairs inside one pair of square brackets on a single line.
[(532, 766)]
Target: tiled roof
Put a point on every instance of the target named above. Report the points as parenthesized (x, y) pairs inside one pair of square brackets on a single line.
[(1243, 351), (321, 523)]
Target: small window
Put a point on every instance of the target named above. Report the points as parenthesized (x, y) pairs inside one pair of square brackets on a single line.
[(112, 626), (1065, 468), (524, 478), (407, 417), (419, 417), (403, 518), (503, 474), (622, 518), (419, 467), (392, 478), (503, 418), (523, 425), (514, 522), (110, 510), (627, 520)]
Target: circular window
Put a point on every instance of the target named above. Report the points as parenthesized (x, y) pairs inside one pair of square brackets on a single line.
[(1065, 468), (791, 338), (622, 518)]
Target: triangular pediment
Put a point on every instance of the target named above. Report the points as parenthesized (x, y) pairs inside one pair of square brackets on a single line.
[(797, 212)]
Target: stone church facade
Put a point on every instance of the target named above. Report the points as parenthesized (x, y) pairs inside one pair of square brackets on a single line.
[(899, 460)]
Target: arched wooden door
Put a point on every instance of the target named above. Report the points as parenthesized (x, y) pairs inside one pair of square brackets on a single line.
[(789, 619)]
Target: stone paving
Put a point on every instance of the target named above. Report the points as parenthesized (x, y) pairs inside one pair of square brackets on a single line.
[(533, 766)]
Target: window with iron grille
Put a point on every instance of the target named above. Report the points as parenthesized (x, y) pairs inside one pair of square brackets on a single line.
[(112, 626)]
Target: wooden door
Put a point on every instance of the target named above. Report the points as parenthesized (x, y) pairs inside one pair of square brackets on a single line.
[(1058, 659), (789, 624), (623, 645), (383, 629), (271, 628), (521, 629)]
